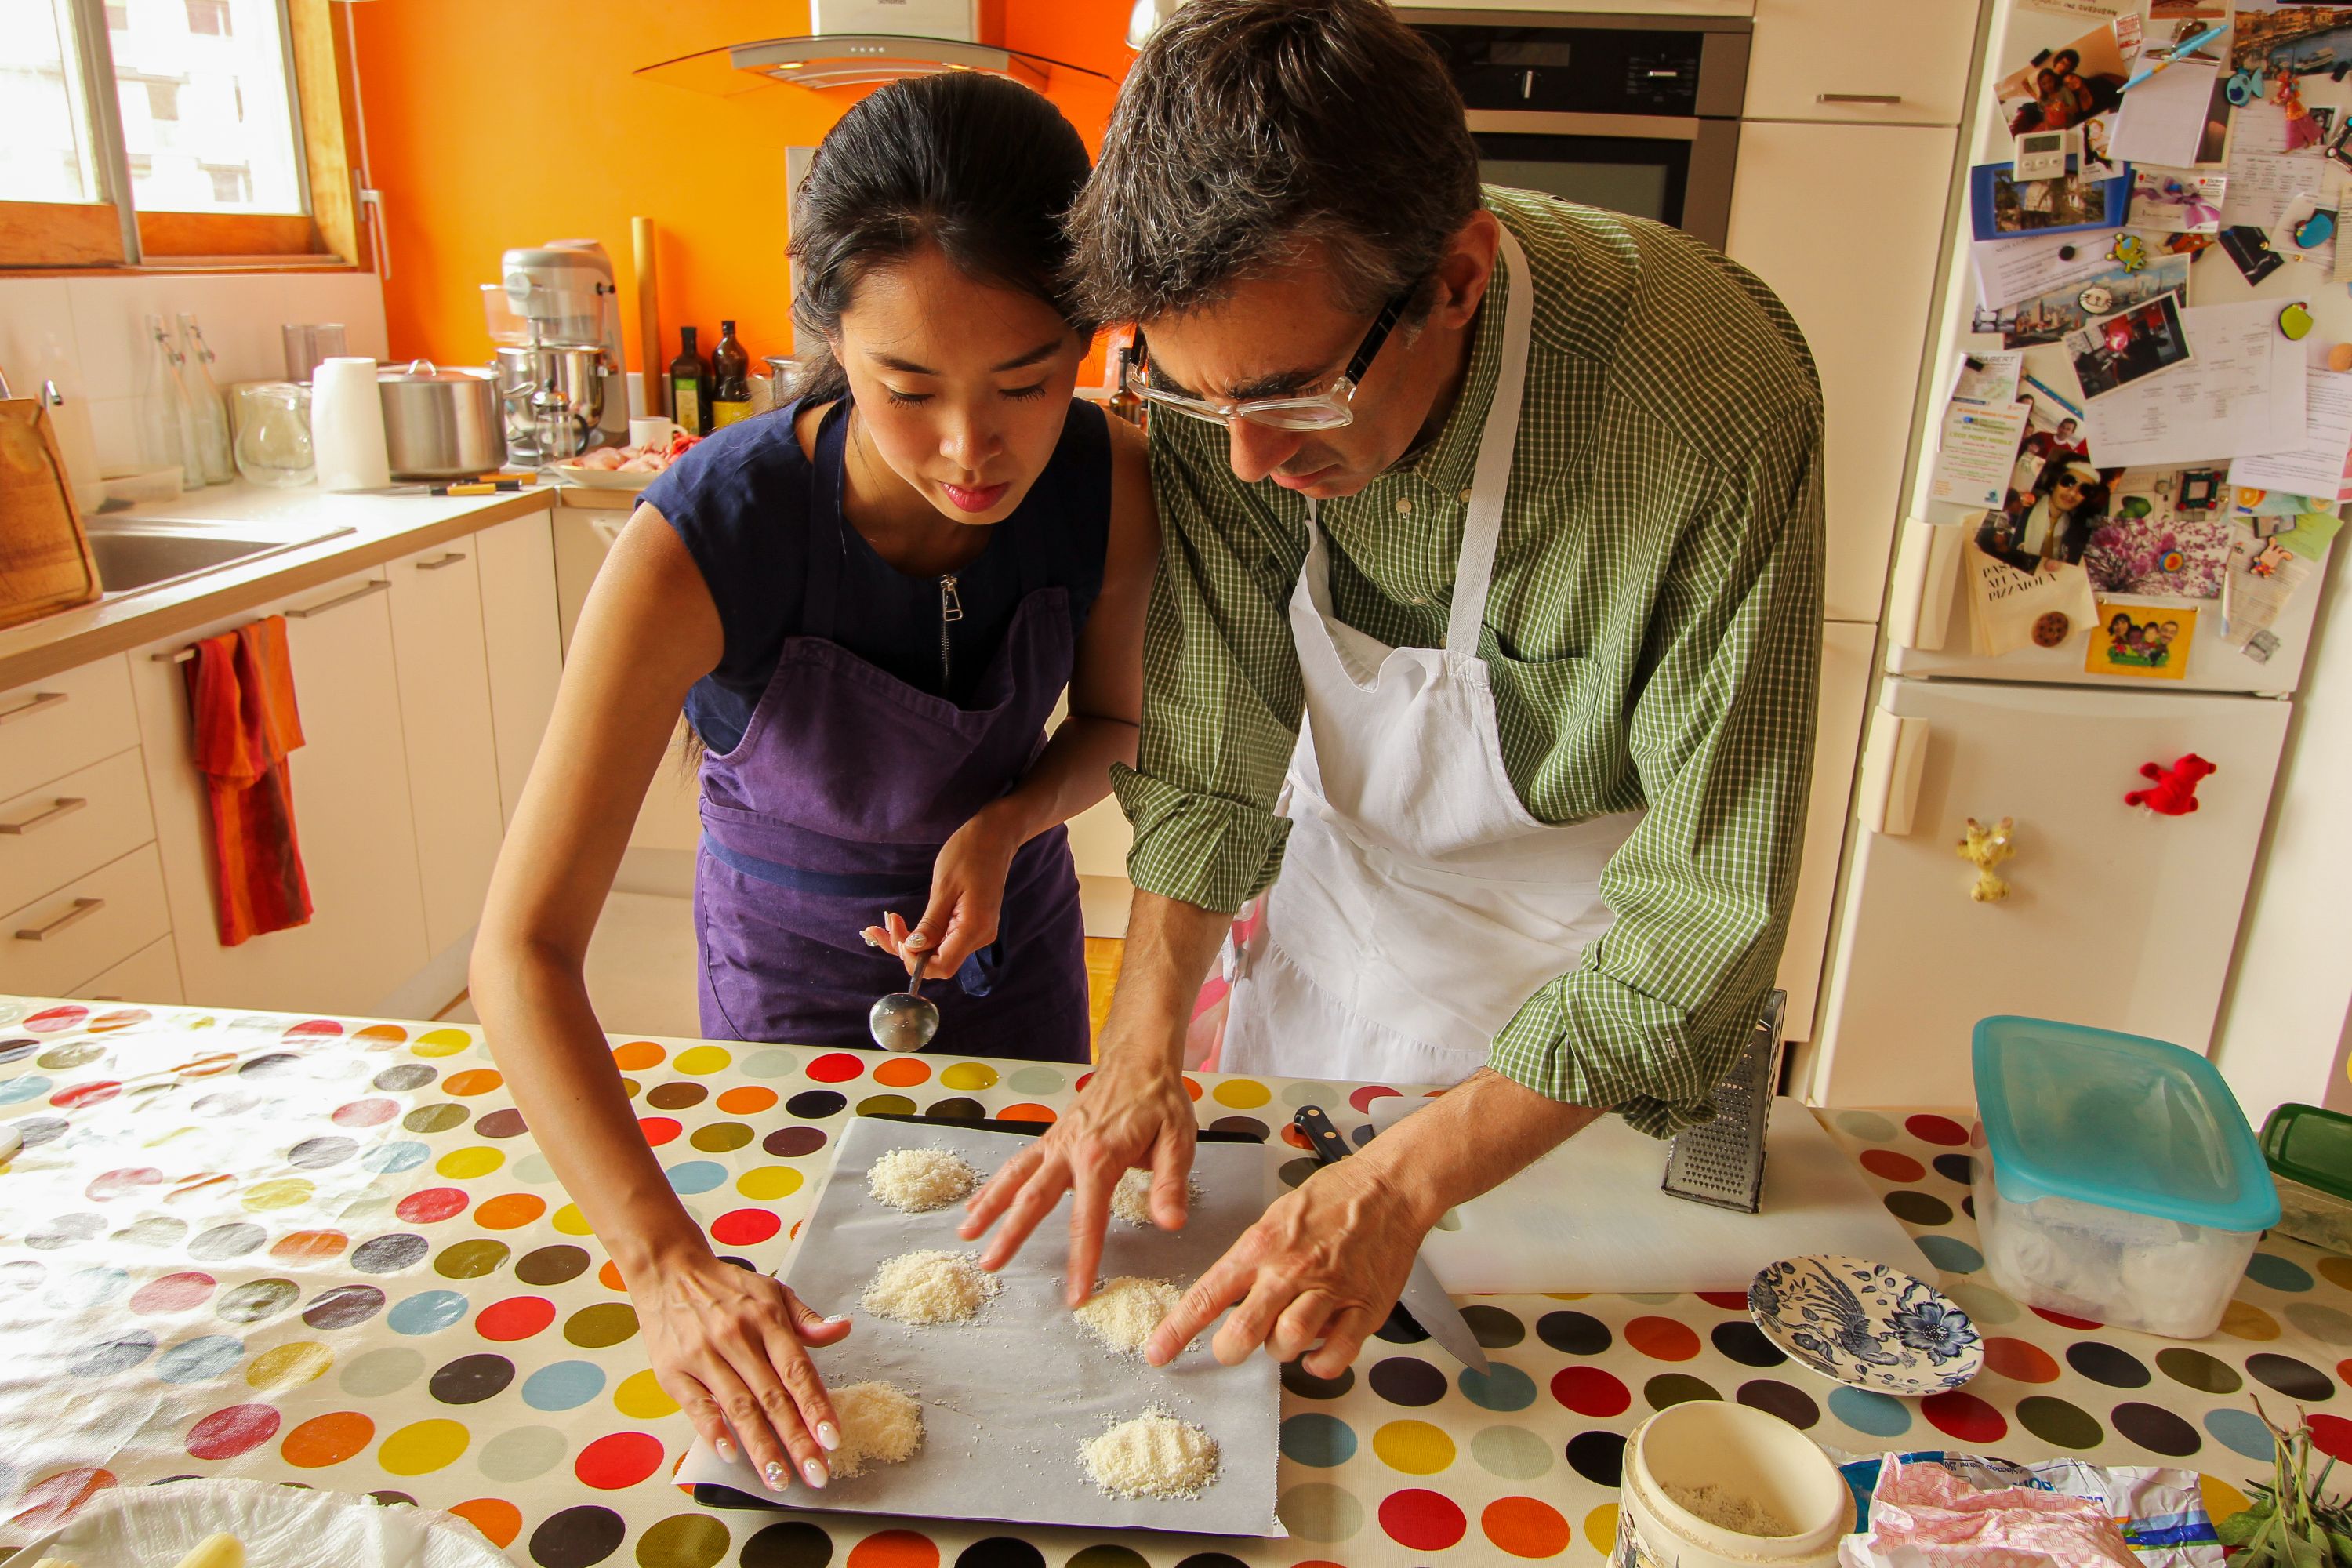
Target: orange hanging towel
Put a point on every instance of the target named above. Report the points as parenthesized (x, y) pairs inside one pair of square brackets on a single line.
[(241, 693)]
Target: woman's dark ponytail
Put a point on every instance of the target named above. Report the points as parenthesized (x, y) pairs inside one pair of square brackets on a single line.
[(979, 167)]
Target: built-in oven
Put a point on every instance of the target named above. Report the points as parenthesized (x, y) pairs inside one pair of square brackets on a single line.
[(1636, 113)]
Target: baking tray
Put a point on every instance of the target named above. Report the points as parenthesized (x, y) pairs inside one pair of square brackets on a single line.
[(1008, 1399)]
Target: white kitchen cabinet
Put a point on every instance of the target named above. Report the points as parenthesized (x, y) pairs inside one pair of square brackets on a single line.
[(62, 722), (1859, 60), (445, 719), (57, 831), (352, 812), (52, 945), (1846, 647), (1860, 296), (522, 641), (150, 975)]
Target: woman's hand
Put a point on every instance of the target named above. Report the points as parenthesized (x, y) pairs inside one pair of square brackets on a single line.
[(967, 897), (729, 1346)]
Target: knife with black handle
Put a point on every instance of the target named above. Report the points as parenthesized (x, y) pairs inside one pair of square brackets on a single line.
[(1423, 1299)]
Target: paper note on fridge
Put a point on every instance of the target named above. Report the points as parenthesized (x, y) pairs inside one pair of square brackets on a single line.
[(2265, 188), (2163, 119), (1977, 449), (2245, 385), (2313, 466), (2009, 271)]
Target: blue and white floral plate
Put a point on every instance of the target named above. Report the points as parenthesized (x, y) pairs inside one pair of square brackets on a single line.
[(1866, 1324)]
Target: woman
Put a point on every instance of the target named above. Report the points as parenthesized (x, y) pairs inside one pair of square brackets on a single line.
[(867, 604)]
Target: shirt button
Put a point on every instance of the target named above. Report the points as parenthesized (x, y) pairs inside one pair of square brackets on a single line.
[(1421, 598), (1466, 495), (1405, 506)]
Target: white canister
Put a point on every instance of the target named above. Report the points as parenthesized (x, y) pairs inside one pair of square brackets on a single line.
[(1728, 1458), (650, 431), (347, 426)]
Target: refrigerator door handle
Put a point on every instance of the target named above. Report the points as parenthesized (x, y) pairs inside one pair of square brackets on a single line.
[(1890, 774), (1920, 608)]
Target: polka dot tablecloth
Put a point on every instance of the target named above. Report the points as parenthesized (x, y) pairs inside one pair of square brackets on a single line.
[(327, 1251)]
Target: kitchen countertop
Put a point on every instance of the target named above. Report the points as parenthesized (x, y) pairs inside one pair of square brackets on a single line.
[(326, 1251), (383, 529)]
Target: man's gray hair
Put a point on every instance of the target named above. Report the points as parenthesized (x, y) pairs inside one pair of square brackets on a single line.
[(1251, 132)]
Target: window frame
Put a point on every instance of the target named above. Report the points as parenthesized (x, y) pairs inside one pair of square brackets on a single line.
[(109, 234)]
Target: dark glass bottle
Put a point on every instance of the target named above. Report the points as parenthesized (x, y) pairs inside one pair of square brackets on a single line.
[(689, 386), (731, 379)]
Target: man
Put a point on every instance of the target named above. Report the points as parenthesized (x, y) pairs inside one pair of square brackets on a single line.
[(1512, 504)]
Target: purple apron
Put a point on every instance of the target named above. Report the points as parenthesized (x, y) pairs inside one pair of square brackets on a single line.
[(833, 805)]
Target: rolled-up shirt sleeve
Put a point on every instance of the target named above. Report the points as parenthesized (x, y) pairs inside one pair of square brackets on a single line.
[(1220, 691), (1721, 733)]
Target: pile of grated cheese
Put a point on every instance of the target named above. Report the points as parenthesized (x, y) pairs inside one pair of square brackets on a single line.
[(1131, 1199), (917, 1181), (929, 1288), (1123, 1313), (880, 1424), (1152, 1455)]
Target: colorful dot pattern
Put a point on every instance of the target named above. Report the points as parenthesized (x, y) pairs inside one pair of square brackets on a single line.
[(327, 1251)]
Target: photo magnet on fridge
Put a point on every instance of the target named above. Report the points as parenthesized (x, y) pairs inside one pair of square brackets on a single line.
[(2000, 204), (2149, 642), (2065, 87), (2113, 352), (2252, 251)]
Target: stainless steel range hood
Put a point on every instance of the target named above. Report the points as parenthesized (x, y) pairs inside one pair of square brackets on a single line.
[(845, 60)]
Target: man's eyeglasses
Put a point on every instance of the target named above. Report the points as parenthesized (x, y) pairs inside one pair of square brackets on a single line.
[(1330, 409)]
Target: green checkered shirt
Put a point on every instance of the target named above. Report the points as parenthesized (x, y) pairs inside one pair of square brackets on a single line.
[(1653, 635)]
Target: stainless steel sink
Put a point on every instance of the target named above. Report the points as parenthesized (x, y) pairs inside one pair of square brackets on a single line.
[(133, 557)]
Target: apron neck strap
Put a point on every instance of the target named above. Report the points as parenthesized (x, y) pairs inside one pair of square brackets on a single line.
[(1490, 481), (828, 529)]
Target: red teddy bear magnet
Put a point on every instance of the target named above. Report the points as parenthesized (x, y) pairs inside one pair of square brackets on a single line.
[(2175, 793)]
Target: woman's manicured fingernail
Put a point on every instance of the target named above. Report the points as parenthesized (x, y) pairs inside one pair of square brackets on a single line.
[(726, 1450), (869, 939), (829, 1435), (775, 1475), (815, 1474), (836, 1318), (916, 939)]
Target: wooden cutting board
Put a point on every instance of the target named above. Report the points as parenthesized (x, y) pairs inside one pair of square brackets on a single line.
[(45, 560), (1589, 1217)]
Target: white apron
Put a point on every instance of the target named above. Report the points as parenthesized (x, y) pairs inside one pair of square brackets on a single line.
[(1420, 904)]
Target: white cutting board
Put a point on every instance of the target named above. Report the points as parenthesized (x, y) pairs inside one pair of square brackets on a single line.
[(1589, 1217)]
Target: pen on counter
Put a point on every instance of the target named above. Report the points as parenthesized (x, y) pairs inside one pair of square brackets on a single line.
[(455, 488), (2176, 53)]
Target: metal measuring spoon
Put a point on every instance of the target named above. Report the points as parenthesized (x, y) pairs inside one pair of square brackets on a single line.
[(903, 1020)]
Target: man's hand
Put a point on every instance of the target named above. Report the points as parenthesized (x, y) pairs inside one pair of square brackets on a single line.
[(1324, 1264), (1133, 1113)]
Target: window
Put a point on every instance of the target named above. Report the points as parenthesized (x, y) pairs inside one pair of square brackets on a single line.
[(196, 148)]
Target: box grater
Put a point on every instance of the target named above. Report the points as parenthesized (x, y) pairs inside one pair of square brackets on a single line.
[(1722, 1161)]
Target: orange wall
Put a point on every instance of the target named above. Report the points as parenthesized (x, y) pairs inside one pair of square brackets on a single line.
[(494, 123)]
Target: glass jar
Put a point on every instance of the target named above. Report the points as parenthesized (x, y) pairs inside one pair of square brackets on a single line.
[(273, 433)]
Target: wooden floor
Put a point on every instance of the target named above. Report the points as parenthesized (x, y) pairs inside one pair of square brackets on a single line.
[(1102, 954)]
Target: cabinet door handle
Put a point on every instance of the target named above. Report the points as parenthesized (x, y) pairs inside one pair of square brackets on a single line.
[(82, 909), (451, 559), (304, 614), (64, 806), (40, 699), (1857, 98)]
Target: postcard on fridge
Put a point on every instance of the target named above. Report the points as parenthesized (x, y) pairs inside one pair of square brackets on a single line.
[(2110, 353), (2150, 642), (2171, 200), (2023, 266), (1975, 453), (2064, 87), (2047, 318), (2000, 204)]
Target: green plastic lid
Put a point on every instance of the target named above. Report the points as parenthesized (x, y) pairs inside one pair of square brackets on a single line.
[(2306, 1144), (2118, 1120)]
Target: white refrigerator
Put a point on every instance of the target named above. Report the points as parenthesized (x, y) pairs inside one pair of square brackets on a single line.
[(2116, 917)]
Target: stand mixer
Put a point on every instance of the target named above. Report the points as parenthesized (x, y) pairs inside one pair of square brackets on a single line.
[(556, 317)]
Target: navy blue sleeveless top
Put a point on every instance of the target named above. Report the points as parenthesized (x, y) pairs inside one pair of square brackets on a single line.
[(740, 502)]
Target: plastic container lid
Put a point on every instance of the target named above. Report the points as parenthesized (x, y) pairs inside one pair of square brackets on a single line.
[(2118, 1120), (2306, 1144)]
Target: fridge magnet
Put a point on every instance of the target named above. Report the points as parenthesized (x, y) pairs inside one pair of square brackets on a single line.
[(2339, 357), (2147, 642), (2130, 252), (2176, 201), (2052, 629), (2261, 645), (2064, 87), (2002, 205), (2047, 317), (1985, 847), (2114, 351), (2249, 249), (2174, 790), (2201, 490), (2045, 155)]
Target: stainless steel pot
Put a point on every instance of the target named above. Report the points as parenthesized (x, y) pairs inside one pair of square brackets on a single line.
[(553, 395), (440, 424)]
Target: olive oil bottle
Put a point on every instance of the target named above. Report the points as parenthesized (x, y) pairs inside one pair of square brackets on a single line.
[(731, 379), (689, 386)]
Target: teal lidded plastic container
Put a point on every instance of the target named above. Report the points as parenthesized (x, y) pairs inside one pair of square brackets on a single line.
[(2115, 1178)]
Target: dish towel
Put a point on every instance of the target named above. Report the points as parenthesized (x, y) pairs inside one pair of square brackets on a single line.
[(241, 693)]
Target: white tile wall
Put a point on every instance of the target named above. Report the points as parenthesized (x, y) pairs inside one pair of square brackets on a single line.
[(88, 334)]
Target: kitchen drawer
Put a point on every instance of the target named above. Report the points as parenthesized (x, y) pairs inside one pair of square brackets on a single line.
[(51, 835), (63, 722), (1859, 61), (150, 975), (90, 925)]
